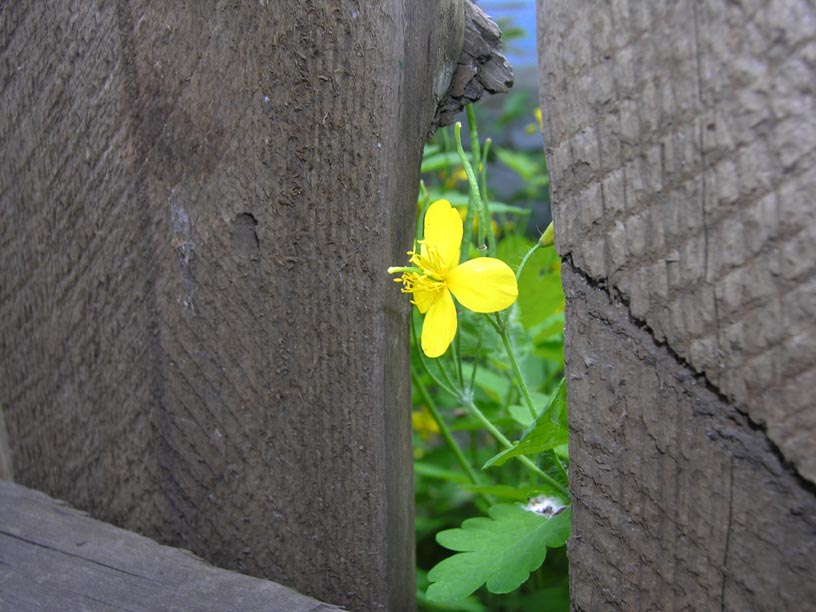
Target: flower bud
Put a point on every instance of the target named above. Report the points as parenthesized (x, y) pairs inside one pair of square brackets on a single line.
[(548, 237)]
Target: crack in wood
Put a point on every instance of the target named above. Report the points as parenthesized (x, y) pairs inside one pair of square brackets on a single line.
[(615, 296), (640, 543)]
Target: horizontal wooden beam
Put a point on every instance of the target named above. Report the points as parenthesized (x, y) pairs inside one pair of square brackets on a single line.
[(54, 557)]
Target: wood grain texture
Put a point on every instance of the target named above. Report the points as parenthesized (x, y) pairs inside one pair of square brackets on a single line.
[(199, 339), (681, 142), (6, 467), (54, 558), (679, 502)]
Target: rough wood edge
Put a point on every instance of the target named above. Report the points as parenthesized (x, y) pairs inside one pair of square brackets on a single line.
[(54, 557), (481, 67)]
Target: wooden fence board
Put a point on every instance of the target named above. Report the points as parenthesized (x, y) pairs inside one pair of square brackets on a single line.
[(199, 340), (56, 558), (678, 503), (679, 143)]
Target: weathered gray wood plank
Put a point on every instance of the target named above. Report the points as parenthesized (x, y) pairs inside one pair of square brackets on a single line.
[(680, 141), (56, 558), (678, 502), (680, 144), (198, 337)]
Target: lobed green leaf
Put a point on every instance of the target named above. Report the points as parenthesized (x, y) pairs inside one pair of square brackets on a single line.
[(549, 430), (500, 551)]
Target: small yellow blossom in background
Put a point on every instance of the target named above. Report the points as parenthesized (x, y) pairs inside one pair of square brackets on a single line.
[(457, 176), (532, 128), (483, 284), (423, 423)]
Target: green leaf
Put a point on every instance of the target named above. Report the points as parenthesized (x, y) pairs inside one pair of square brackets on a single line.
[(494, 385), (432, 471), (471, 604), (438, 161), (521, 414), (551, 350), (520, 163), (549, 327), (540, 292), (499, 551), (516, 105), (519, 494), (513, 33), (430, 149), (460, 200), (550, 430), (512, 248)]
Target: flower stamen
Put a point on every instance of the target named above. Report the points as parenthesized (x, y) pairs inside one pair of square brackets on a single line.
[(433, 275)]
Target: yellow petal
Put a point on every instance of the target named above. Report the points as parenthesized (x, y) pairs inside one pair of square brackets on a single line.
[(443, 229), (425, 299), (439, 326), (483, 284)]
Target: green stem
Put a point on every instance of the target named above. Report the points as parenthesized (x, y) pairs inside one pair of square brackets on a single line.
[(475, 196), (507, 444), (483, 173), (476, 151), (554, 458), (445, 432), (525, 259), (488, 231), (485, 227), (405, 270), (455, 346), (511, 355), (449, 387), (474, 135), (476, 354), (498, 325), (467, 234)]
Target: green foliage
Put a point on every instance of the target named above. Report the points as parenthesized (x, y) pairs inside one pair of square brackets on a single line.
[(500, 380), (549, 431), (505, 491), (468, 604), (439, 161), (540, 293), (499, 551), (527, 167)]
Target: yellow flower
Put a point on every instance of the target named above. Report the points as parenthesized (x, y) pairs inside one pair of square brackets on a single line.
[(538, 126), (423, 423), (483, 284)]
